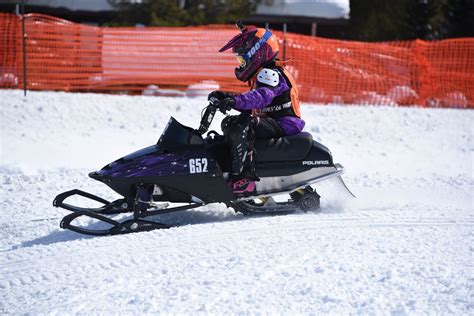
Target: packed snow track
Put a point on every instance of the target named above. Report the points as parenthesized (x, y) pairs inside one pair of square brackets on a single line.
[(404, 246)]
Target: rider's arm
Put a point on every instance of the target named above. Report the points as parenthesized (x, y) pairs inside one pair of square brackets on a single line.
[(261, 96)]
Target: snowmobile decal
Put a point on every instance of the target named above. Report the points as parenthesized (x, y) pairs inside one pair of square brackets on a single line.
[(198, 165), (315, 163)]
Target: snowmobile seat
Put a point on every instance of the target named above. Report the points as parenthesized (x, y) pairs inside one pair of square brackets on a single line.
[(288, 148)]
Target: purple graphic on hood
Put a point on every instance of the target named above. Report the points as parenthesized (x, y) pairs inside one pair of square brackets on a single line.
[(154, 165)]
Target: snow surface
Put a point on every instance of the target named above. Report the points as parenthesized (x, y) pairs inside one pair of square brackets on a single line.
[(331, 9), (404, 246)]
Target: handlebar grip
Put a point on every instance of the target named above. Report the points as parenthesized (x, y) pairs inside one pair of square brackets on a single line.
[(207, 118)]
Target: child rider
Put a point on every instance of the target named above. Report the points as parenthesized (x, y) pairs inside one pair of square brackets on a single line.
[(271, 108)]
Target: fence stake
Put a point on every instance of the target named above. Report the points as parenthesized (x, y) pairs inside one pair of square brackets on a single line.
[(284, 41), (24, 44), (314, 27)]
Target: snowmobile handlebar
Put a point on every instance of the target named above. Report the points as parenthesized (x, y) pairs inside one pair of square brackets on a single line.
[(207, 117)]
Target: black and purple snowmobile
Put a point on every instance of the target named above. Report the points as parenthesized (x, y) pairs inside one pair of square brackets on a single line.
[(192, 171)]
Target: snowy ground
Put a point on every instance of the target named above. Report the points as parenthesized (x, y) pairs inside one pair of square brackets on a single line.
[(404, 246)]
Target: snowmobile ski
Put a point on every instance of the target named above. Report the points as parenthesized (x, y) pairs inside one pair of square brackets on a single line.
[(137, 224)]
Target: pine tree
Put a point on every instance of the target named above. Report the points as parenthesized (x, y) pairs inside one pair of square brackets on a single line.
[(384, 20), (459, 18), (377, 20), (425, 19)]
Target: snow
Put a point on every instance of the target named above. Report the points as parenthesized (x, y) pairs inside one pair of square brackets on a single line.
[(77, 5), (404, 246), (331, 9)]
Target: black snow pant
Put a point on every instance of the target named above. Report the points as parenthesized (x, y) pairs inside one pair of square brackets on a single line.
[(240, 132)]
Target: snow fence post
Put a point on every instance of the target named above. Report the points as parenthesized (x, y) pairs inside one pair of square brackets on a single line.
[(284, 41), (23, 36)]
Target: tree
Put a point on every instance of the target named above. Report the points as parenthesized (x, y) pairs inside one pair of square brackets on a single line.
[(384, 20), (378, 20), (425, 19), (459, 18)]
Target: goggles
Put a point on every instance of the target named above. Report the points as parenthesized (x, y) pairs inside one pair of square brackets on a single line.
[(241, 60)]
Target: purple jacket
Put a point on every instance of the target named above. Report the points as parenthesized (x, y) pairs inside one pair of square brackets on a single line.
[(262, 96)]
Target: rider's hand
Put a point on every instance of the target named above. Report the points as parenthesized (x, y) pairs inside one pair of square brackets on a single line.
[(219, 95), (225, 104)]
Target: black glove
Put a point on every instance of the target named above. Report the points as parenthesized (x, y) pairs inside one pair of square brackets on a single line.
[(219, 95), (225, 104)]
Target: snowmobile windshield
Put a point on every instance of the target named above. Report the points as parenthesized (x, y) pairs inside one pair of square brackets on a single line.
[(142, 152), (177, 135)]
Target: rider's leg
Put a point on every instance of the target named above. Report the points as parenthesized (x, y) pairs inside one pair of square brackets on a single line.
[(238, 131), (267, 127)]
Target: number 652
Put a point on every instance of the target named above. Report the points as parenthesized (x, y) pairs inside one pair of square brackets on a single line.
[(197, 165)]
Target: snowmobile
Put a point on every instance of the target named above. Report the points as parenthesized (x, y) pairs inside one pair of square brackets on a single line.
[(185, 167)]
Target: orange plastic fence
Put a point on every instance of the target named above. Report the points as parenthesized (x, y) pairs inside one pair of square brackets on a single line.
[(62, 55)]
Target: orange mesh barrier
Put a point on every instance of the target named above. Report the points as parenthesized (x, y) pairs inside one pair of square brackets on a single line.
[(61, 55)]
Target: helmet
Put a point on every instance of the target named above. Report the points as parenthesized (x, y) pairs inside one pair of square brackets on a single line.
[(254, 47)]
